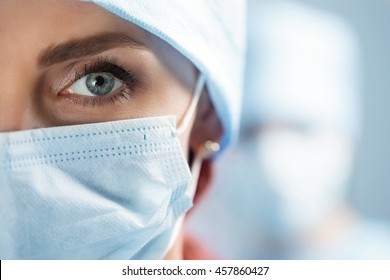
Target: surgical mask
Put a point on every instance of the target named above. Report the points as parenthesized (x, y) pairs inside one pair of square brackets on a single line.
[(290, 180), (301, 175), (308, 170), (114, 190)]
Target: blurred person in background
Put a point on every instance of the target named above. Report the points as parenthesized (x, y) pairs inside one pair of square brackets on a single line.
[(282, 192)]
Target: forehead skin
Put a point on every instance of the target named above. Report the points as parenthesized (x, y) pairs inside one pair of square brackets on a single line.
[(27, 27), (50, 22)]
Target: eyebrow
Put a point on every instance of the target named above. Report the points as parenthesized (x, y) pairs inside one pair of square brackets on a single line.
[(77, 48)]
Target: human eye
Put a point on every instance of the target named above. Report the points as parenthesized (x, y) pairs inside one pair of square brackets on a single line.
[(98, 82)]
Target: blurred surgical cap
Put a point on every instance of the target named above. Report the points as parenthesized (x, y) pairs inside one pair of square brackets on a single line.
[(210, 33), (287, 59)]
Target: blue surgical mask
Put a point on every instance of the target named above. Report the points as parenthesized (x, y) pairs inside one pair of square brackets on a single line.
[(113, 190)]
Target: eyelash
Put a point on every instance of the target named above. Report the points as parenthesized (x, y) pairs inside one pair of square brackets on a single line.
[(110, 66)]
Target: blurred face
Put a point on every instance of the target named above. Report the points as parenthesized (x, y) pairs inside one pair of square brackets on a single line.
[(299, 172), (69, 62)]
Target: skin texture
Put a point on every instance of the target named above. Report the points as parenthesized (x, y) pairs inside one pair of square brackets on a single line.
[(37, 89)]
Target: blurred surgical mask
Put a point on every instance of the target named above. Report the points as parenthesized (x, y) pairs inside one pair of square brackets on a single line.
[(114, 190), (295, 175)]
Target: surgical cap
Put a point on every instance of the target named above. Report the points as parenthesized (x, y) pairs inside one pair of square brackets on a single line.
[(303, 66), (210, 33)]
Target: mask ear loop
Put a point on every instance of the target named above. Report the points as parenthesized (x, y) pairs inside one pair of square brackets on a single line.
[(207, 150), (194, 102)]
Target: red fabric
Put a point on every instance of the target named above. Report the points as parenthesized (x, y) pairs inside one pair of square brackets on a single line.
[(193, 250)]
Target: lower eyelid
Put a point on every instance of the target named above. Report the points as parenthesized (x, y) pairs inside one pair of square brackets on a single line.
[(119, 97)]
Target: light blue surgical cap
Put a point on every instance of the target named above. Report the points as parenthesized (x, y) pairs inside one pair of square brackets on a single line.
[(303, 66), (210, 33)]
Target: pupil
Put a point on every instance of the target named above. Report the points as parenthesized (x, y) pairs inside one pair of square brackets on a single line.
[(99, 81)]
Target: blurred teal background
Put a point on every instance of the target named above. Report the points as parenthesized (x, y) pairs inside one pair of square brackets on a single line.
[(370, 179), (314, 137)]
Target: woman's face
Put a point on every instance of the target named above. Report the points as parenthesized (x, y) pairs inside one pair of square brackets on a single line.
[(72, 62), (69, 62)]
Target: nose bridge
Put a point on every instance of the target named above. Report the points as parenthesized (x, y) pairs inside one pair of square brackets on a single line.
[(14, 99), (18, 74)]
